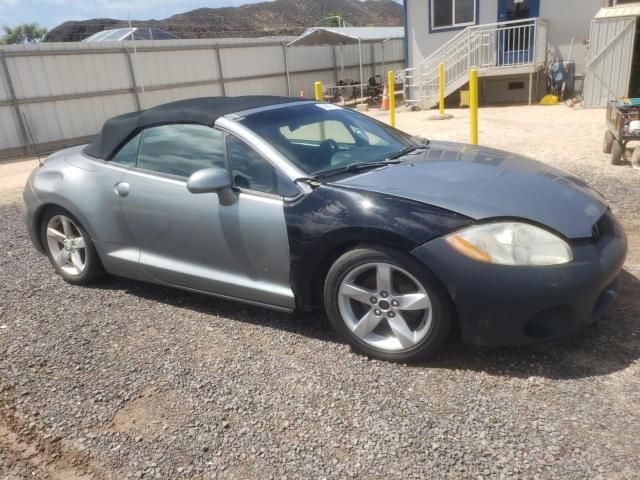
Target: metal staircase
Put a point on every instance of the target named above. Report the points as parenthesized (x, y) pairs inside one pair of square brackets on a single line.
[(494, 49)]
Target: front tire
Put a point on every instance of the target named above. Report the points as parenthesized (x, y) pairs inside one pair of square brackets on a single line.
[(386, 305), (69, 247)]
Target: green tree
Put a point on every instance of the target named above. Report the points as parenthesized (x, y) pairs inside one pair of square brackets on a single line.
[(25, 33)]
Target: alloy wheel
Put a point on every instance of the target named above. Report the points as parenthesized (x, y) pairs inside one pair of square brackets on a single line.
[(67, 245), (385, 306)]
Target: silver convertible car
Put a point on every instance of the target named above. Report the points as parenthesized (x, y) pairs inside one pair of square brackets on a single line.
[(302, 205)]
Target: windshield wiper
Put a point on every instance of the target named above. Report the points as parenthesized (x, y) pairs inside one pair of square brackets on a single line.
[(407, 151), (356, 167)]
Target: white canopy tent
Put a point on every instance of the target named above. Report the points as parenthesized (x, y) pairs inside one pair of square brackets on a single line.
[(348, 36)]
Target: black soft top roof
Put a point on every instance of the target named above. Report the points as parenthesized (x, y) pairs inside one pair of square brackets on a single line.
[(202, 111)]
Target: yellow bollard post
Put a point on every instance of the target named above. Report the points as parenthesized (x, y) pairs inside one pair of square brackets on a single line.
[(441, 87), (441, 91), (391, 83), (473, 105), (318, 90)]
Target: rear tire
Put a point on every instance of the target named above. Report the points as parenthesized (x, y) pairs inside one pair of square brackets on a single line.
[(608, 142), (617, 153), (386, 305), (69, 247), (635, 158)]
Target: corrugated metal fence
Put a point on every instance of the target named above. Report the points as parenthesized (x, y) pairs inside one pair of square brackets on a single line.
[(59, 94)]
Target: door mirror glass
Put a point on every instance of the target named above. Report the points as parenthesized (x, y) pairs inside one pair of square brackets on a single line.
[(209, 180)]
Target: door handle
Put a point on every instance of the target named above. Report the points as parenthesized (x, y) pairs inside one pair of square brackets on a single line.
[(122, 189)]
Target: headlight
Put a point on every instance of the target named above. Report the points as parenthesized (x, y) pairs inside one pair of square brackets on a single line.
[(511, 243)]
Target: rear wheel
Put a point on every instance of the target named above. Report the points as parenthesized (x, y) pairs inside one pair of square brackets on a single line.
[(386, 305), (635, 158), (69, 247), (617, 153), (608, 142)]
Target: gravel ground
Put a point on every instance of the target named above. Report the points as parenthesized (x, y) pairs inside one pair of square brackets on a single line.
[(129, 380)]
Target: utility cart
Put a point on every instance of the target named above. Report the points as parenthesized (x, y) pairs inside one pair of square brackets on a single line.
[(623, 126)]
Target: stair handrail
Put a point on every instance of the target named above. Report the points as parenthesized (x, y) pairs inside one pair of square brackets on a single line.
[(420, 80), (482, 26), (452, 40)]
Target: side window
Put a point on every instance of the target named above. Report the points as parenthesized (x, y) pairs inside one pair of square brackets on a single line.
[(454, 13), (319, 131), (181, 149), (127, 154), (250, 171)]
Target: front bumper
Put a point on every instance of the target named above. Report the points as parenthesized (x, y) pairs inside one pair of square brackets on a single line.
[(505, 305)]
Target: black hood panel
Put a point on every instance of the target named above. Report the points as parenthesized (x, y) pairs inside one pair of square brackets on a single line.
[(482, 183)]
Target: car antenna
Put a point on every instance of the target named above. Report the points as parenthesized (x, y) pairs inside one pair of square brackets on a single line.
[(33, 143)]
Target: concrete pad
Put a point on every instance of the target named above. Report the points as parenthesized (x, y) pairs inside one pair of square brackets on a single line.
[(445, 116)]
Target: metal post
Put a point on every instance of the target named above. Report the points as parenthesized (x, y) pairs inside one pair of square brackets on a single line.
[(384, 67), (361, 73), (391, 83), (373, 60), (473, 105), (135, 57), (441, 87), (530, 88), (335, 65), (220, 72), (14, 104), (285, 56), (132, 76), (536, 32)]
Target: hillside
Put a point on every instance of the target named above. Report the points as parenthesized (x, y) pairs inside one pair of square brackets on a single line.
[(280, 17)]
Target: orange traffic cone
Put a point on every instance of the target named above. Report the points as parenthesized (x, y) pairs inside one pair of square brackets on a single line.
[(301, 92), (385, 98)]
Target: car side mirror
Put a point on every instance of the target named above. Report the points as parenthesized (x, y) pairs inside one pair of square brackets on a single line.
[(213, 180)]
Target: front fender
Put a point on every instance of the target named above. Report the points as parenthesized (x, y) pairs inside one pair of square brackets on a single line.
[(331, 219)]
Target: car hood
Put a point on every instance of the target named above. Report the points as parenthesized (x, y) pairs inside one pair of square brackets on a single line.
[(483, 183)]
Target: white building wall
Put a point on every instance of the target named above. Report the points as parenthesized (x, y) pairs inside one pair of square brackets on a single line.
[(421, 43), (568, 19)]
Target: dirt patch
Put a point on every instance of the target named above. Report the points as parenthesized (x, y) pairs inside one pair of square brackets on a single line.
[(41, 459), (145, 416), (25, 451)]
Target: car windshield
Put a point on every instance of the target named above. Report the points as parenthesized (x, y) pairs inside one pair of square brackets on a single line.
[(321, 138)]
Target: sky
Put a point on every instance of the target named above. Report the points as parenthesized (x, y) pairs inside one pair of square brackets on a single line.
[(50, 13)]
